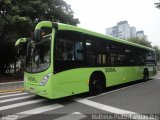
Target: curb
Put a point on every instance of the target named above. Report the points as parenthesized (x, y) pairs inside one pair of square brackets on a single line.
[(12, 90)]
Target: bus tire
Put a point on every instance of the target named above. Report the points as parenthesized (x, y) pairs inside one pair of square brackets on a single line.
[(96, 84), (145, 75)]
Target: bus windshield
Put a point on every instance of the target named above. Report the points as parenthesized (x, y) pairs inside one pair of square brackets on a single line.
[(38, 55)]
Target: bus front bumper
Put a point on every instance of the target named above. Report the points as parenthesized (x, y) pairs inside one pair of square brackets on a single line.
[(38, 90)]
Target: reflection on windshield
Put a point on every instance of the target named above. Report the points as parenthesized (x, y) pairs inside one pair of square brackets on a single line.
[(38, 58)]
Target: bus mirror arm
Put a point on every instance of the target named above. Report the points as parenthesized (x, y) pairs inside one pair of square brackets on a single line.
[(20, 41)]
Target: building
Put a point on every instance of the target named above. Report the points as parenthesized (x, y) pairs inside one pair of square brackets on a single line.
[(140, 34), (124, 31), (109, 31), (112, 31), (133, 32), (121, 30)]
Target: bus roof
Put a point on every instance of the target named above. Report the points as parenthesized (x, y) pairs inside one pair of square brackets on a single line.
[(78, 29)]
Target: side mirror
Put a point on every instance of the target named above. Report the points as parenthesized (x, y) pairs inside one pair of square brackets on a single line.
[(20, 41), (37, 35), (21, 45)]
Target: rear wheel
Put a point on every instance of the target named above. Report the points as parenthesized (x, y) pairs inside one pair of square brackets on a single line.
[(96, 85), (145, 75)]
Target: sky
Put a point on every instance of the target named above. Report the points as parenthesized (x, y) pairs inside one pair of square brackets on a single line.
[(97, 15)]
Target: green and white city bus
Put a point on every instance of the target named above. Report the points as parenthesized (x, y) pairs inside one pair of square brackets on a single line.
[(64, 60)]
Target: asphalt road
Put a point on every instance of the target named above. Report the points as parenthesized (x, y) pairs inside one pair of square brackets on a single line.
[(137, 100)]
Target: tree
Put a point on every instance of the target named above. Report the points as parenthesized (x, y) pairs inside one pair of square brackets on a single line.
[(141, 41), (18, 19), (157, 4)]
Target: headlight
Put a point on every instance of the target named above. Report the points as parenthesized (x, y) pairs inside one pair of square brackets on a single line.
[(45, 79)]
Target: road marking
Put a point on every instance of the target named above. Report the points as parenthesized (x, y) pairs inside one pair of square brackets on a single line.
[(157, 78), (6, 83), (38, 110), (20, 104), (72, 116), (17, 98), (11, 95), (111, 109), (117, 90)]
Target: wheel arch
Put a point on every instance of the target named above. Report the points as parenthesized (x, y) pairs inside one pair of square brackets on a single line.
[(98, 74), (145, 71), (145, 74)]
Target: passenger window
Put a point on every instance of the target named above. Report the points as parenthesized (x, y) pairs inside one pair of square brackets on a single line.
[(68, 47), (90, 52), (64, 50), (78, 50)]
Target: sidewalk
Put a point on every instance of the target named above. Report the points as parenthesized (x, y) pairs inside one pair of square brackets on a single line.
[(11, 86)]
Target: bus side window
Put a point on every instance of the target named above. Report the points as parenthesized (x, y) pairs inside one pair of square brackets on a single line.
[(90, 52), (78, 50), (69, 46), (114, 55), (140, 57), (101, 59), (64, 50), (102, 52)]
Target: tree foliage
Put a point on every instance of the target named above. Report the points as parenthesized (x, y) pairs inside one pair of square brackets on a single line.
[(141, 41), (18, 19)]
